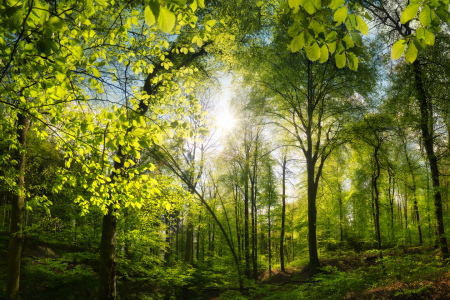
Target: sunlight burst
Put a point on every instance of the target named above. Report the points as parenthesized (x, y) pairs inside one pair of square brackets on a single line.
[(225, 120)]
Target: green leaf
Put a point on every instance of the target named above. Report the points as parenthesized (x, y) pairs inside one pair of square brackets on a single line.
[(96, 73), (420, 33), (411, 53), (194, 5), (332, 47), (298, 42), (323, 54), (294, 29), (397, 49), (43, 46), (368, 17), (313, 52), (166, 20), (348, 42), (409, 13), (300, 17), (331, 37), (154, 11), (351, 23), (352, 61), (425, 16), (116, 159), (336, 3), (340, 60), (309, 6), (201, 3), (429, 37), (314, 25), (356, 38), (318, 4), (294, 3), (55, 23), (340, 47), (211, 23), (443, 14), (309, 37), (420, 44), (341, 14), (362, 26), (149, 16)]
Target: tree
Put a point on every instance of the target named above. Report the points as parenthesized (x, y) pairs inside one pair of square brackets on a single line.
[(401, 27), (309, 101)]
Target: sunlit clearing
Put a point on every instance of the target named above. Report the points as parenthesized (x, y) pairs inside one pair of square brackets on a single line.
[(225, 120)]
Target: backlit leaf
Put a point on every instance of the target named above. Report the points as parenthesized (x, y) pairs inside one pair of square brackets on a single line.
[(397, 49), (340, 60), (411, 53), (309, 6), (313, 52), (362, 26), (323, 54), (425, 16), (298, 42), (341, 14), (166, 20), (294, 29), (336, 3), (409, 13), (149, 16), (353, 61)]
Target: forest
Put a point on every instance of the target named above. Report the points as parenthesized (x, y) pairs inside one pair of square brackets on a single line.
[(212, 149)]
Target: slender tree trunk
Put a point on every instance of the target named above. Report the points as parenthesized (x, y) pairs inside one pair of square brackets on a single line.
[(198, 237), (17, 213), (246, 216), (283, 213), (176, 238), (376, 199), (341, 219), (427, 137), (238, 230), (252, 215), (107, 271), (270, 242), (189, 242), (391, 202)]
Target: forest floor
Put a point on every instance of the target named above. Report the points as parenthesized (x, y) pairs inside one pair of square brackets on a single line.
[(410, 273), (58, 271)]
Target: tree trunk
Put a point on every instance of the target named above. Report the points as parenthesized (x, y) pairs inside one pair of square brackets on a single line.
[(238, 229), (107, 271), (376, 198), (246, 217), (189, 242), (427, 137), (283, 213), (17, 213), (312, 218), (270, 241)]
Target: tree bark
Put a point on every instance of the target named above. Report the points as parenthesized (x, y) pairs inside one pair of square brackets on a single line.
[(107, 271), (283, 213), (377, 193), (246, 216), (17, 213), (189, 242), (270, 242), (312, 218)]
